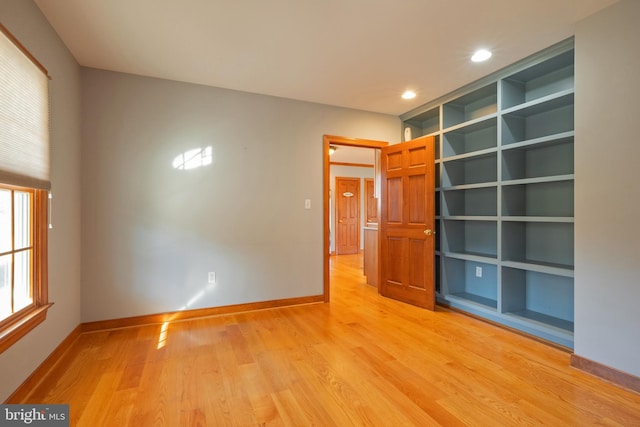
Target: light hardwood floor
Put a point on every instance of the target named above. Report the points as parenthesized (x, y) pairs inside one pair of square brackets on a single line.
[(359, 360)]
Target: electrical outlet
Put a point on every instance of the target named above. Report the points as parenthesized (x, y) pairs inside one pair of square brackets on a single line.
[(307, 203), (478, 271), (212, 277)]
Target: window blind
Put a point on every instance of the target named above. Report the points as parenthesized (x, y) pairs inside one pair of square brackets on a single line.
[(24, 116)]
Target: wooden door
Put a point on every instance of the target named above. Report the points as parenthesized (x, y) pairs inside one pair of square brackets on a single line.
[(407, 222), (347, 216), (370, 202)]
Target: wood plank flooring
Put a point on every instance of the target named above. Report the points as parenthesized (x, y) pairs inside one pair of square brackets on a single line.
[(359, 360)]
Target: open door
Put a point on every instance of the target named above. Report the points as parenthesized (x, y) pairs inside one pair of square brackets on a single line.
[(407, 223), (370, 202)]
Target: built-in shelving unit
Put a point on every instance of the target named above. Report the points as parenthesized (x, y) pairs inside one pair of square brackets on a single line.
[(505, 192)]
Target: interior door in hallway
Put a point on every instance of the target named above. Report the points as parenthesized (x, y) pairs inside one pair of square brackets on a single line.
[(347, 215), (407, 221), (371, 203)]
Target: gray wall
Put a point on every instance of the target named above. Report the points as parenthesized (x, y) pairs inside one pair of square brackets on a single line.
[(26, 22), (151, 233), (607, 189)]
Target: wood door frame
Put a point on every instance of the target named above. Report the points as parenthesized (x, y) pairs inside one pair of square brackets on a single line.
[(344, 141), (336, 207)]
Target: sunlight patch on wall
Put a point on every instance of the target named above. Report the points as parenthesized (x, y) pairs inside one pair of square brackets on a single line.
[(193, 159)]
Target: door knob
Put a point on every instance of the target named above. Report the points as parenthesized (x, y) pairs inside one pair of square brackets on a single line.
[(429, 232)]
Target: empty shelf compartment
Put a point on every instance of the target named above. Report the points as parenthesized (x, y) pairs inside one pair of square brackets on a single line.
[(478, 136), (470, 170), (551, 158), (538, 297), (468, 237), (546, 78), (539, 120), (547, 199), (471, 281), (479, 103), (470, 202), (541, 243)]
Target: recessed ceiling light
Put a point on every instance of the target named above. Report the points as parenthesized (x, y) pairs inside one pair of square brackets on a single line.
[(409, 95), (481, 55)]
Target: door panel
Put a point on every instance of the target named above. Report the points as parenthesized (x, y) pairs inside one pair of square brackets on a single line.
[(407, 221), (416, 273), (395, 257), (418, 156), (394, 197), (394, 161), (347, 216), (417, 208)]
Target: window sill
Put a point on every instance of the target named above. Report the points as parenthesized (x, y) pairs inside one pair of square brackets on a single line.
[(11, 333)]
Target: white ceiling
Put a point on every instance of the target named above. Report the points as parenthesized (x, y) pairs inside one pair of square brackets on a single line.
[(353, 53)]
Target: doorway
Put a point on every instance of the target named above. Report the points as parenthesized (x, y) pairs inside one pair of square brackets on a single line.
[(336, 141)]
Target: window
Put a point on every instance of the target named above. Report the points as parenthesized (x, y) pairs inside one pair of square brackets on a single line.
[(24, 186)]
